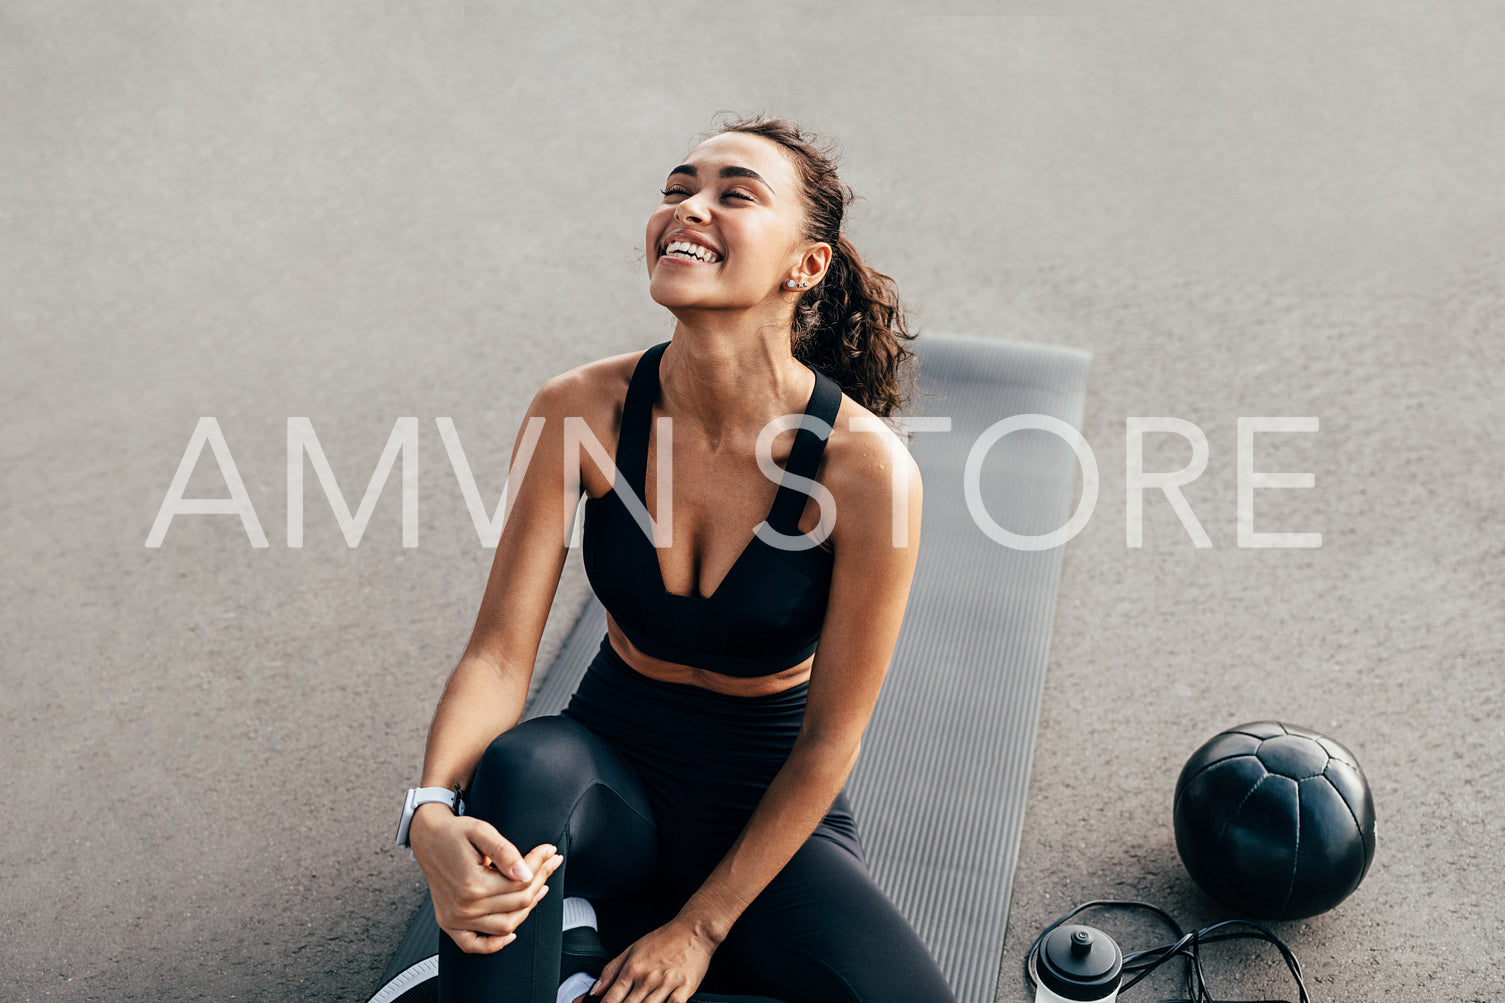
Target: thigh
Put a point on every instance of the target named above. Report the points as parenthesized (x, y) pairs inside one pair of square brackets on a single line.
[(552, 780), (823, 932)]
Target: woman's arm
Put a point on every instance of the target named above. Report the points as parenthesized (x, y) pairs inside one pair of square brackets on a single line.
[(482, 886), (869, 589)]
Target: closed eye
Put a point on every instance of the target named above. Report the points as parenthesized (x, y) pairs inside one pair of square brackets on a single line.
[(680, 191)]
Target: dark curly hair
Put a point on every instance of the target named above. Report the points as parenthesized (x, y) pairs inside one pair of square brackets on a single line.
[(850, 325)]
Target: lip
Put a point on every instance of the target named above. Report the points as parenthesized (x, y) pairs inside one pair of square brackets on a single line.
[(692, 237), (677, 261)]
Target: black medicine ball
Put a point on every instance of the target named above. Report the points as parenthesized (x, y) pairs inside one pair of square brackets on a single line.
[(1274, 821)]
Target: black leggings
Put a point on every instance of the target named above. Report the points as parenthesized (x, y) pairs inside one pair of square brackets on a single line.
[(644, 785)]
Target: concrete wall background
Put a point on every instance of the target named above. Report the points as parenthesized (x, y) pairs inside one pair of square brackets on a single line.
[(356, 212)]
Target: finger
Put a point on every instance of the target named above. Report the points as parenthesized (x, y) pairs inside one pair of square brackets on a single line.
[(522, 901), (491, 943), (499, 925), (505, 894), (646, 989), (617, 992), (504, 922), (630, 987), (542, 861), (675, 988), (473, 943), (541, 869), (550, 866), (538, 859), (535, 864), (664, 990), (608, 975), (501, 853)]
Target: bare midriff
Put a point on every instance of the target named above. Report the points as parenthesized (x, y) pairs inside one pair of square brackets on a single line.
[(717, 682)]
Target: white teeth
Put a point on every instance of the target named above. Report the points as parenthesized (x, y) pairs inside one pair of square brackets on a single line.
[(699, 251)]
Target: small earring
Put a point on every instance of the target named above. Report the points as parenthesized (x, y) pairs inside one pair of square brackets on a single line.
[(788, 283)]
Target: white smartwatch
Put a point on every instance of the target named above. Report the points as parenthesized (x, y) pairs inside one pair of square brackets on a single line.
[(452, 797)]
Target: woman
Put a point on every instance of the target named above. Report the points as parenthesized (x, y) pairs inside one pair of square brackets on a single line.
[(693, 789)]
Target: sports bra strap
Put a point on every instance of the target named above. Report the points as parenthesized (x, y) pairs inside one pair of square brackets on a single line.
[(637, 410), (804, 457)]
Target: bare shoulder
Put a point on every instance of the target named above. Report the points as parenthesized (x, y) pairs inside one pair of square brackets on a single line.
[(592, 393), (864, 451), (865, 462), (593, 390)]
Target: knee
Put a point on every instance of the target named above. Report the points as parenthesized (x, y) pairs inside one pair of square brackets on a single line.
[(537, 762)]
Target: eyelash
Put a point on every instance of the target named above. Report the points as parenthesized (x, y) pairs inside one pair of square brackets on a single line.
[(666, 192)]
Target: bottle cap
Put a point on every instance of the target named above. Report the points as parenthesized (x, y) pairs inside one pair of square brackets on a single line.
[(1080, 963)]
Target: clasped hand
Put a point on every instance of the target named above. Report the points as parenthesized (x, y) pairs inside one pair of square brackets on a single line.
[(482, 887)]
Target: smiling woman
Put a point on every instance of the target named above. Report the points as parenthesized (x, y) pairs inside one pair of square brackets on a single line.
[(689, 802)]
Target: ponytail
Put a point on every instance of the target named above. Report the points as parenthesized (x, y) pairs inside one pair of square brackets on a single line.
[(850, 325)]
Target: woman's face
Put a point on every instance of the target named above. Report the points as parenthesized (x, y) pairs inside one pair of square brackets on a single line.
[(736, 195)]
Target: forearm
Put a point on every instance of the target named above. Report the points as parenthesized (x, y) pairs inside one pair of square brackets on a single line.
[(480, 701), (796, 800), (482, 884)]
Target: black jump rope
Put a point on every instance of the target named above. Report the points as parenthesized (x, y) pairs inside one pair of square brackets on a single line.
[(1187, 947)]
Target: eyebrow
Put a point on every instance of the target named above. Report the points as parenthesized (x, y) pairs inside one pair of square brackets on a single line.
[(726, 172)]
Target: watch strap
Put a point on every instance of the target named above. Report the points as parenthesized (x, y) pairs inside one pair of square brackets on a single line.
[(451, 797), (429, 795)]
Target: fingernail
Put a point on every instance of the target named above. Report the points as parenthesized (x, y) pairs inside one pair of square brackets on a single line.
[(521, 872), (542, 892), (555, 861), (596, 989), (508, 939), (552, 850)]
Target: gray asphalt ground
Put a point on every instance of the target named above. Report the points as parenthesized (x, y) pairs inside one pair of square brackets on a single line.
[(359, 212)]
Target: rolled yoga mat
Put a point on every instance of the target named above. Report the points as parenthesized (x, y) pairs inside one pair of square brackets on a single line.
[(939, 788)]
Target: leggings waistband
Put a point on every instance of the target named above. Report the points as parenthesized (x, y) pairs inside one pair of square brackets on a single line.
[(617, 701)]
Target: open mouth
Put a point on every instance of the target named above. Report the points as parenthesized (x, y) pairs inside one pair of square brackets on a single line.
[(687, 250)]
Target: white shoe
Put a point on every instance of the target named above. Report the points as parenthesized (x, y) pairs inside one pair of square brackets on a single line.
[(575, 987)]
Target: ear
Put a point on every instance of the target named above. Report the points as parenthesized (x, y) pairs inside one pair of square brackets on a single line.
[(814, 261)]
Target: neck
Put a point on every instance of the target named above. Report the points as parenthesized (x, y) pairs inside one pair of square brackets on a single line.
[(732, 383)]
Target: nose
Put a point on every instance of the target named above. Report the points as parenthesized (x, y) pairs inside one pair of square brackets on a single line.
[(690, 210)]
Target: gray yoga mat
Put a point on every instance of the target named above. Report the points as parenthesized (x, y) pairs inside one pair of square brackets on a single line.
[(939, 788)]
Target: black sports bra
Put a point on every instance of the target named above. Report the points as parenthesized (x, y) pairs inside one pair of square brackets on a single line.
[(766, 614)]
